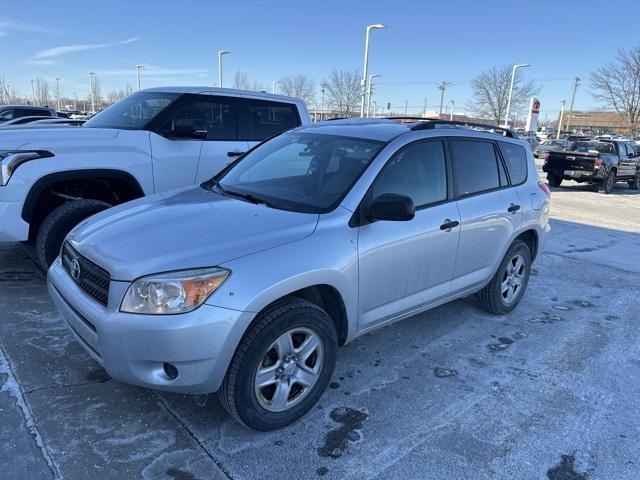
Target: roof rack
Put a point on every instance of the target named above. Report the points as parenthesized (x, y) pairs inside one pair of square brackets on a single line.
[(426, 124)]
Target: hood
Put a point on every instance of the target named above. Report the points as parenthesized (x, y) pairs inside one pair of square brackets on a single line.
[(50, 138), (182, 229)]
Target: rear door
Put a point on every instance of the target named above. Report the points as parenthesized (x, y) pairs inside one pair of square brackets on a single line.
[(490, 209)]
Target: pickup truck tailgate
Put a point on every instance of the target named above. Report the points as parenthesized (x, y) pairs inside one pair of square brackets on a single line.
[(575, 161)]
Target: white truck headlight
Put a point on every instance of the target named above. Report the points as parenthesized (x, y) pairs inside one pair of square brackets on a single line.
[(12, 159), (172, 292)]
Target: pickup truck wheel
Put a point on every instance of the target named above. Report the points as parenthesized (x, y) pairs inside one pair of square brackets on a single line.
[(635, 183), (554, 180), (609, 182), (506, 288), (281, 367), (59, 223)]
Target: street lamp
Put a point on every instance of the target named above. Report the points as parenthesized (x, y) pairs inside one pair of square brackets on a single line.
[(563, 102), (138, 67), (322, 89), (453, 104), (513, 77), (58, 93), (93, 102), (371, 77), (363, 82), (220, 54), (273, 85), (33, 93)]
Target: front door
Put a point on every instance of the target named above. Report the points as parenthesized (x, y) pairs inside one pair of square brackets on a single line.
[(405, 265)]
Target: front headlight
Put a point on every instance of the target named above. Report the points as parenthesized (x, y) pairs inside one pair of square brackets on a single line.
[(12, 159), (173, 292)]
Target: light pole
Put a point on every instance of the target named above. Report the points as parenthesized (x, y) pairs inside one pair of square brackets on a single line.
[(371, 77), (576, 84), (138, 67), (33, 93), (273, 85), (563, 102), (513, 77), (375, 107), (442, 87), (220, 54), (453, 104), (58, 93), (322, 89), (93, 101), (363, 82), (425, 108), (75, 101)]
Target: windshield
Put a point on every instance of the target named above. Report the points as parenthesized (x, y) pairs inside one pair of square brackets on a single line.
[(133, 112), (304, 172), (602, 147)]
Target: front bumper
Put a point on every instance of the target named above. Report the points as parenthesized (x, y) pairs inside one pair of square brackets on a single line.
[(134, 348), (12, 227)]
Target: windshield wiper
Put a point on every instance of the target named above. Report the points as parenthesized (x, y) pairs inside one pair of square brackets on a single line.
[(246, 196)]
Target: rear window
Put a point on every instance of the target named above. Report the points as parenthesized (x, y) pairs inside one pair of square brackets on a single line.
[(475, 166), (515, 157), (267, 119), (601, 147)]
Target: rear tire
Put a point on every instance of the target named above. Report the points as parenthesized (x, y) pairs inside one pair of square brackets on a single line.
[(492, 298), (635, 183), (554, 180), (259, 352), (609, 182), (59, 223)]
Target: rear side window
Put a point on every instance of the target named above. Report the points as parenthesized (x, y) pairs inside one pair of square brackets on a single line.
[(216, 114), (267, 119), (515, 157), (35, 113), (475, 166)]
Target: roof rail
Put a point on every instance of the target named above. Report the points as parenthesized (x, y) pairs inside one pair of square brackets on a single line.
[(429, 124)]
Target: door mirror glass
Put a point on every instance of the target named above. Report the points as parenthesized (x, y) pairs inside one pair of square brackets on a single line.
[(391, 207)]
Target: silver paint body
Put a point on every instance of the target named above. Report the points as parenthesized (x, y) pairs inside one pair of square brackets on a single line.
[(384, 271)]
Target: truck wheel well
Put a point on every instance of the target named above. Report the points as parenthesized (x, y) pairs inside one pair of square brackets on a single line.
[(51, 191), (530, 237)]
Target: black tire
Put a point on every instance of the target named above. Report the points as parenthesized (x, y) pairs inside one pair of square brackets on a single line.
[(608, 182), (490, 298), (237, 393), (554, 180), (635, 183), (59, 223)]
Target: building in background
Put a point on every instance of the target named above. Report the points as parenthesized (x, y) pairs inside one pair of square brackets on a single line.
[(595, 122)]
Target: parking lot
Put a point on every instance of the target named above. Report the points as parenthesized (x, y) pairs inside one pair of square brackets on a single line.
[(548, 391)]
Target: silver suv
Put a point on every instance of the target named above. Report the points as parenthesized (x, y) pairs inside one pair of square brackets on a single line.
[(247, 284)]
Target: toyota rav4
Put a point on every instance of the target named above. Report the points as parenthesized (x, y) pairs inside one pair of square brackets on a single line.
[(247, 284)]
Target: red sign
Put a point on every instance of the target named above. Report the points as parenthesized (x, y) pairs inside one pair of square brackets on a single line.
[(535, 109)]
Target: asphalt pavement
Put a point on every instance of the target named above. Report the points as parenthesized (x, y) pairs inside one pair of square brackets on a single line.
[(548, 391)]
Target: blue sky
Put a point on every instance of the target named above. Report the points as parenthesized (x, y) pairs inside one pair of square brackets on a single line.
[(426, 41)]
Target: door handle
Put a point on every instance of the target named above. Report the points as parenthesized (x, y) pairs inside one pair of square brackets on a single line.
[(449, 224), (513, 208), (234, 154)]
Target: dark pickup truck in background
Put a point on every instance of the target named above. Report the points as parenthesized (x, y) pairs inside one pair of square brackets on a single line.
[(598, 162)]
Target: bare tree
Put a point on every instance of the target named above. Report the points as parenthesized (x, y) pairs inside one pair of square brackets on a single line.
[(343, 91), (299, 86), (491, 93), (617, 85), (241, 81), (43, 91), (115, 96)]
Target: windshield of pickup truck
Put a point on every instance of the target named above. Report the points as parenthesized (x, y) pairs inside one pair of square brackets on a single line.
[(303, 172), (601, 147), (133, 112)]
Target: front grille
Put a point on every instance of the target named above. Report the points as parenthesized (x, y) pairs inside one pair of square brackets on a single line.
[(89, 276)]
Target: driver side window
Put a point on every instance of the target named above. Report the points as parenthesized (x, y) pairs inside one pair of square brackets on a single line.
[(418, 171)]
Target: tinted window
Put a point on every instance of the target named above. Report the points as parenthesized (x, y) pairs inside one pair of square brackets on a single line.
[(602, 147), (133, 112), (270, 118), (28, 112), (217, 115), (6, 115), (515, 157), (475, 166), (417, 171), (622, 150)]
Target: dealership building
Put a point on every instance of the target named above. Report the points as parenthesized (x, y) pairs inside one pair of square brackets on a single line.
[(597, 122)]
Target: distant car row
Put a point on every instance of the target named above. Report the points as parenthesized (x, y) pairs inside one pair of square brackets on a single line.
[(26, 114)]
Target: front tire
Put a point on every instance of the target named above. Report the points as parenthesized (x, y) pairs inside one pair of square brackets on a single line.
[(281, 367), (507, 287), (59, 223), (554, 180)]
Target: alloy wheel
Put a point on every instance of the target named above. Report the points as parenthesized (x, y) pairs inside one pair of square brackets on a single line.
[(513, 278)]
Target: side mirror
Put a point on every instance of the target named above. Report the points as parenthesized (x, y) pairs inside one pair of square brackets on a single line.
[(188, 128), (631, 155), (391, 207)]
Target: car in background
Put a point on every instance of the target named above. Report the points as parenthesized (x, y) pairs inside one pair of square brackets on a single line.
[(570, 139), (74, 122), (546, 146), (601, 163), (23, 121), (11, 112)]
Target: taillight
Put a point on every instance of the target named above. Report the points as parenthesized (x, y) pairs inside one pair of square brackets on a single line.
[(597, 162), (545, 188), (545, 156)]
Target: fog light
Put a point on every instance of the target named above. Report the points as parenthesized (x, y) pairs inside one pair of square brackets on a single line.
[(170, 371)]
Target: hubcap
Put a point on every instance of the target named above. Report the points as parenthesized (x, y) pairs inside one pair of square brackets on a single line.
[(512, 279), (289, 369)]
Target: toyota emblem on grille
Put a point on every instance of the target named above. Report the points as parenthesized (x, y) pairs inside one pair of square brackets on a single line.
[(74, 269)]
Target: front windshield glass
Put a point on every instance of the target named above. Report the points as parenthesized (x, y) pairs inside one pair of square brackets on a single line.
[(304, 172), (133, 112)]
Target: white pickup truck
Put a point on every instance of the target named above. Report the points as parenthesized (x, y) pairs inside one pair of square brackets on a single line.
[(152, 141)]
